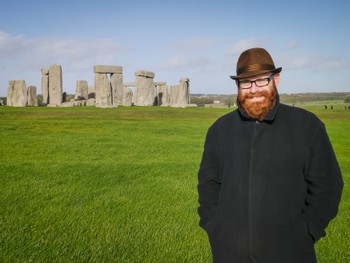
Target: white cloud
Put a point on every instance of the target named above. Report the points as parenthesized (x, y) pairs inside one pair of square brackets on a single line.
[(293, 44), (197, 43), (22, 57), (315, 62), (245, 44), (181, 62), (40, 52), (11, 45)]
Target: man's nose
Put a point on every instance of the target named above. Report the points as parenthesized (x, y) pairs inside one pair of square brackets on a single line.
[(254, 88)]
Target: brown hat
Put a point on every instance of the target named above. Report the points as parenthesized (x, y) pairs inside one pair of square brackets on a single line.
[(254, 62)]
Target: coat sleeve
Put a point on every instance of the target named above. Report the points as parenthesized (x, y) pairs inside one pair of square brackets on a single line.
[(325, 184), (208, 179)]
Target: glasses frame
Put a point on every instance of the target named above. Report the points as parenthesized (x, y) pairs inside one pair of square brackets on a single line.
[(254, 81)]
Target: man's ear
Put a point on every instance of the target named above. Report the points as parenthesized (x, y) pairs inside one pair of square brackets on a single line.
[(277, 79)]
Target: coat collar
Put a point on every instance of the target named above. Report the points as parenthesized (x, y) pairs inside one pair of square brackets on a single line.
[(270, 116)]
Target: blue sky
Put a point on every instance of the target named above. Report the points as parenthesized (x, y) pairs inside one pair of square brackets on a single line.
[(200, 40)]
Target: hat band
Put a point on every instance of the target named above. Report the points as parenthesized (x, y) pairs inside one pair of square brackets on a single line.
[(255, 67)]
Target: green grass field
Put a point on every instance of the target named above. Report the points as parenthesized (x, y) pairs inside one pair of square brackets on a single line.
[(119, 185)]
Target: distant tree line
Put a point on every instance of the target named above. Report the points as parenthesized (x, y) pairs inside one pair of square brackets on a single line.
[(202, 99), (307, 97)]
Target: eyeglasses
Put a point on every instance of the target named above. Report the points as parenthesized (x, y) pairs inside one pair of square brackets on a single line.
[(247, 84)]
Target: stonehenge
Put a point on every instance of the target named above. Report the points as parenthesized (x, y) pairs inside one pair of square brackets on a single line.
[(82, 90), (180, 94), (55, 85), (19, 96), (17, 93), (162, 94), (45, 85), (145, 93), (31, 95), (109, 90)]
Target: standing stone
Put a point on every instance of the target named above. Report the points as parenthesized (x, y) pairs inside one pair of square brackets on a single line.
[(184, 92), (127, 96), (19, 94), (103, 91), (117, 88), (180, 94), (145, 93), (55, 85), (173, 95), (45, 85), (163, 94), (10, 91), (82, 90), (32, 98)]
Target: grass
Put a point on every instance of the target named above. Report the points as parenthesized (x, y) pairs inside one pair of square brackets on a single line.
[(119, 185)]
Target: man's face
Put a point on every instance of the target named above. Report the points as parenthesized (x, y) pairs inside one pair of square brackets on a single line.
[(258, 101)]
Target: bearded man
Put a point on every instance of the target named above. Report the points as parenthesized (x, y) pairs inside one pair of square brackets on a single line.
[(269, 182)]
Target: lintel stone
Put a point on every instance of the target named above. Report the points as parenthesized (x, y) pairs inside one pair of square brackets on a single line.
[(142, 73), (160, 83), (129, 84), (108, 69)]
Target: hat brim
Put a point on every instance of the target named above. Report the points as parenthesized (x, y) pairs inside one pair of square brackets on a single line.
[(255, 73)]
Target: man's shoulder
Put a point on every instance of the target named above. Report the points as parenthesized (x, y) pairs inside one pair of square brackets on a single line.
[(227, 118), (295, 113), (225, 121)]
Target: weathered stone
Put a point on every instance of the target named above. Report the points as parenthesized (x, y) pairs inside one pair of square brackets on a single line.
[(32, 98), (45, 71), (108, 69), (180, 94), (160, 83), (129, 84), (82, 90), (45, 86), (184, 80), (10, 92), (74, 103), (127, 96), (163, 94), (173, 94), (90, 102), (55, 84), (67, 104), (103, 91), (52, 105), (184, 92), (117, 88), (146, 92), (19, 94), (142, 73)]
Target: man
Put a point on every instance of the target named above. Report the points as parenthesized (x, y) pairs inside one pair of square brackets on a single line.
[(269, 182)]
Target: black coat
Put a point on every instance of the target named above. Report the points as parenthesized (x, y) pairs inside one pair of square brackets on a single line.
[(267, 190)]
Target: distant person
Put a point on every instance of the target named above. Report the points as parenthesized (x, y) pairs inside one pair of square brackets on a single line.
[(269, 182)]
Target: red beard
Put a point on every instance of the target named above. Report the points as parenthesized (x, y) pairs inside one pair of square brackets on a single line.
[(258, 110)]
